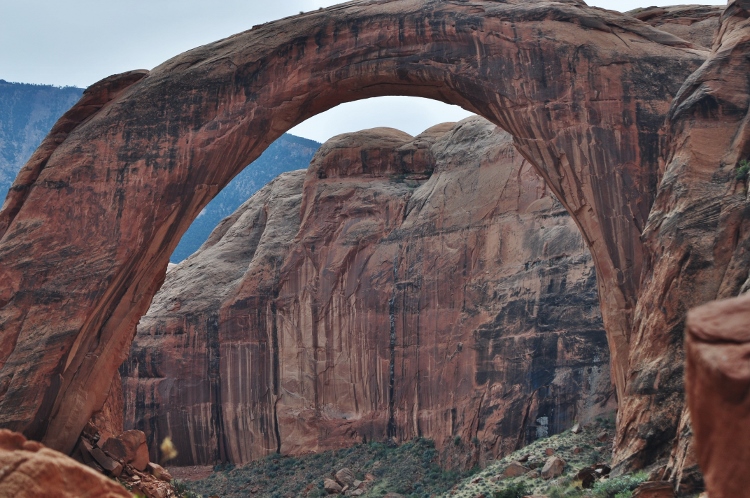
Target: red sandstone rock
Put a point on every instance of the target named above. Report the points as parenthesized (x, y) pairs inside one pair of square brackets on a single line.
[(105, 209), (332, 487), (718, 382), (698, 241), (30, 470), (515, 469), (129, 447), (159, 472), (345, 477), (659, 489), (695, 23), (553, 467), (389, 288)]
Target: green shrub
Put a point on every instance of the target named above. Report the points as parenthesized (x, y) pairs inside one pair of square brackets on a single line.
[(516, 490), (743, 168), (619, 487), (182, 490)]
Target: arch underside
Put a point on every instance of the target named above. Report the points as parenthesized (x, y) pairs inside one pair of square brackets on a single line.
[(90, 223)]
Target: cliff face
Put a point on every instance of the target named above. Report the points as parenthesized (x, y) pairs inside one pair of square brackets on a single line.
[(583, 91), (395, 295), (698, 240), (172, 379)]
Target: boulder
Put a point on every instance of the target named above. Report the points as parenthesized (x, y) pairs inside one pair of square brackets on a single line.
[(159, 472), (345, 477), (718, 380), (515, 469), (130, 448), (331, 486), (112, 466), (31, 470), (589, 475), (553, 467)]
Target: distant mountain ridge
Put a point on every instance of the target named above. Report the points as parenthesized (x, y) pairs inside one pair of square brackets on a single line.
[(288, 153), (28, 111)]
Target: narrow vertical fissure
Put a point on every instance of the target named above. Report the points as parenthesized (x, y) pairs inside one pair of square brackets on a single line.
[(214, 379), (275, 373), (391, 431), (316, 355)]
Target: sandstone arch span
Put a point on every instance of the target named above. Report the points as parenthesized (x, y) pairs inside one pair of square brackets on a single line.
[(91, 221)]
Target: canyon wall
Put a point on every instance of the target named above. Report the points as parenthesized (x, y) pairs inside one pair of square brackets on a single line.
[(86, 235), (87, 229), (428, 286), (698, 241)]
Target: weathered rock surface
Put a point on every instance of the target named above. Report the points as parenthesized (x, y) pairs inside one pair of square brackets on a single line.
[(30, 470), (553, 467), (173, 379), (695, 23), (657, 489), (583, 92), (698, 241), (718, 381), (431, 286), (515, 469)]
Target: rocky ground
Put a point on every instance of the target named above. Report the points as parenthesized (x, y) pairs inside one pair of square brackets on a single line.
[(571, 464), (408, 470)]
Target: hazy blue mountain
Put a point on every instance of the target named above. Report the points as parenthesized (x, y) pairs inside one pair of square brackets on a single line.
[(27, 112), (285, 154)]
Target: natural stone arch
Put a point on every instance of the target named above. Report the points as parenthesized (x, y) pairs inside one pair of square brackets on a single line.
[(92, 219)]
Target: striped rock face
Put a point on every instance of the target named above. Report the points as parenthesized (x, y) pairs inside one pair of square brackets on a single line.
[(401, 287)]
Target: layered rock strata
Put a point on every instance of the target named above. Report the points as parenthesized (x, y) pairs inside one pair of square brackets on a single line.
[(583, 91), (414, 287), (698, 239)]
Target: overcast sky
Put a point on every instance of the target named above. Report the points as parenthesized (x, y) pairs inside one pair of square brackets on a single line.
[(78, 42)]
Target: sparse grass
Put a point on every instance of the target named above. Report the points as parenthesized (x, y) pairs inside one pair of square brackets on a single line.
[(578, 451), (182, 490), (619, 487), (410, 469), (516, 490)]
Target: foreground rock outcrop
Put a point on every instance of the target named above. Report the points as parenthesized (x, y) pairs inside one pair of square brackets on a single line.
[(718, 379), (86, 235), (428, 286), (30, 470)]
